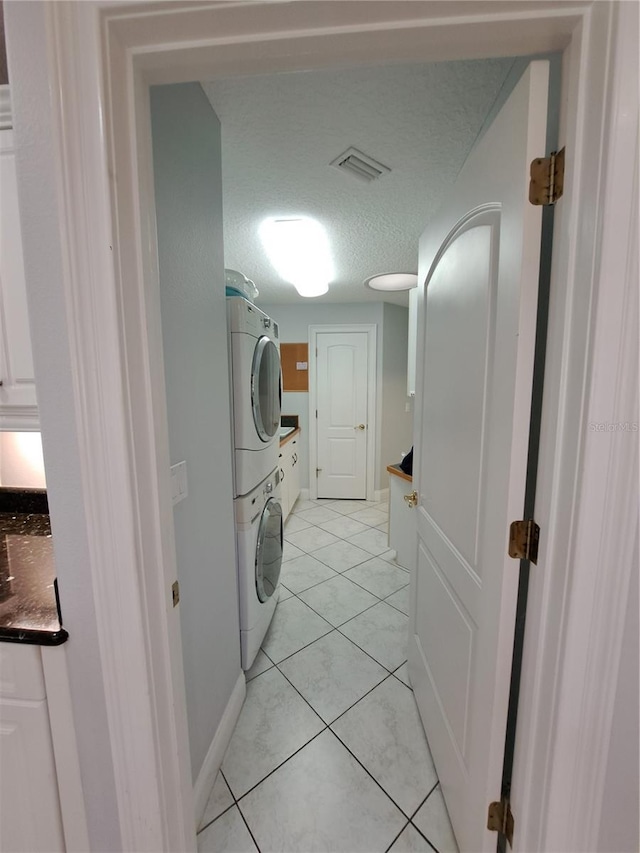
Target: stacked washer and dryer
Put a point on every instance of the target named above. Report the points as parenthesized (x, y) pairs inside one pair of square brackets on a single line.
[(256, 390)]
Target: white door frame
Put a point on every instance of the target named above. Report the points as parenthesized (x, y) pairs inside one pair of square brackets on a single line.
[(372, 426), (82, 110)]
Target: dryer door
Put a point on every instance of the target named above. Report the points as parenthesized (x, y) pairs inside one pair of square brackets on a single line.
[(265, 388), (269, 549)]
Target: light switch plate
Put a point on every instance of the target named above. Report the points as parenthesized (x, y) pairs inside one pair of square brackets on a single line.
[(179, 488)]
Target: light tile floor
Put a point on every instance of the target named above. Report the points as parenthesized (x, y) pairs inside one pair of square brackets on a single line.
[(329, 754)]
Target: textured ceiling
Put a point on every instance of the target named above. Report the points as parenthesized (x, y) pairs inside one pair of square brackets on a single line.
[(280, 132)]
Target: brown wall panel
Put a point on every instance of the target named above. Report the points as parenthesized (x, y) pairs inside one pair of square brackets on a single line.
[(291, 355)]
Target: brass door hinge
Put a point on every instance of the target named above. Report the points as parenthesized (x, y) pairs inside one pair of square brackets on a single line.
[(175, 593), (500, 819), (523, 540), (547, 178)]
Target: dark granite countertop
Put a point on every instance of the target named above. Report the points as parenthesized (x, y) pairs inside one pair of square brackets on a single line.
[(29, 605)]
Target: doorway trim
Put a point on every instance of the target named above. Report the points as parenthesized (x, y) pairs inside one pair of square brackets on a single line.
[(99, 58), (372, 426)]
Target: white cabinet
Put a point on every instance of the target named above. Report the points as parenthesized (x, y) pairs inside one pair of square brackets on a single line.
[(289, 475), (29, 801), (18, 390), (402, 519)]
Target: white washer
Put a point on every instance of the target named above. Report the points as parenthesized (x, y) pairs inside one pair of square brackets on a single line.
[(259, 536), (256, 392)]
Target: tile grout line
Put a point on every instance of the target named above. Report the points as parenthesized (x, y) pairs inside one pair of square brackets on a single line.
[(224, 811), (343, 635), (324, 724), (355, 616), (314, 585), (369, 556), (390, 671), (370, 774), (408, 823), (364, 695), (213, 820), (431, 790), (355, 565), (431, 845), (415, 826), (248, 828), (285, 676), (283, 762), (337, 628), (328, 726), (306, 646), (311, 524), (298, 594), (355, 583)]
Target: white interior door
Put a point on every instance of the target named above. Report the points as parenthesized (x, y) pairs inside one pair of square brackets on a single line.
[(342, 373), (479, 259)]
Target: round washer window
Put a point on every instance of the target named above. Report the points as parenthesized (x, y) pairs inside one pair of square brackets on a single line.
[(269, 550), (265, 388)]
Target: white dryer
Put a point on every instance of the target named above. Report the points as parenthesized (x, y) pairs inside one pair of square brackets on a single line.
[(259, 536), (256, 391)]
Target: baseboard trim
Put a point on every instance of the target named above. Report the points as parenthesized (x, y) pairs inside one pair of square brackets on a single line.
[(304, 494), (215, 753), (381, 495)]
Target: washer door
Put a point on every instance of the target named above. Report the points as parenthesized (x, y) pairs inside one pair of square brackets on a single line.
[(269, 549), (265, 388)]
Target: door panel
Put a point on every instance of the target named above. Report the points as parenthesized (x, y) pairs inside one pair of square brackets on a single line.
[(342, 378), (459, 329), (444, 612), (479, 261)]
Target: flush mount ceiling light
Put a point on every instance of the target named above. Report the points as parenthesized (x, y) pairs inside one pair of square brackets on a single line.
[(298, 248), (392, 281)]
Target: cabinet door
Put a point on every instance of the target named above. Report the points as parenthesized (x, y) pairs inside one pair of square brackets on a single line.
[(402, 529), (294, 472), (284, 466), (29, 802), (18, 390)]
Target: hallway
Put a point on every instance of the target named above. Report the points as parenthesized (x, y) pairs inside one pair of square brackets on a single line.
[(329, 753)]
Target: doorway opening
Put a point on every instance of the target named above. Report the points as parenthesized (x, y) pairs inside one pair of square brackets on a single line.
[(322, 346), (133, 59)]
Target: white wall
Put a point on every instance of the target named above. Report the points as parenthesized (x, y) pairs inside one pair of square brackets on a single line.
[(21, 461), (619, 817), (188, 187), (397, 424)]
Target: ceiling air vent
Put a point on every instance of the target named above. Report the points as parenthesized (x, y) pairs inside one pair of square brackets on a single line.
[(360, 165)]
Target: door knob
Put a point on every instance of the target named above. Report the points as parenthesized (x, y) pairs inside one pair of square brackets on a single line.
[(411, 499), (360, 426)]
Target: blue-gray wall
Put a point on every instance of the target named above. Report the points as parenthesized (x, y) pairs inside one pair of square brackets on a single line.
[(188, 187)]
